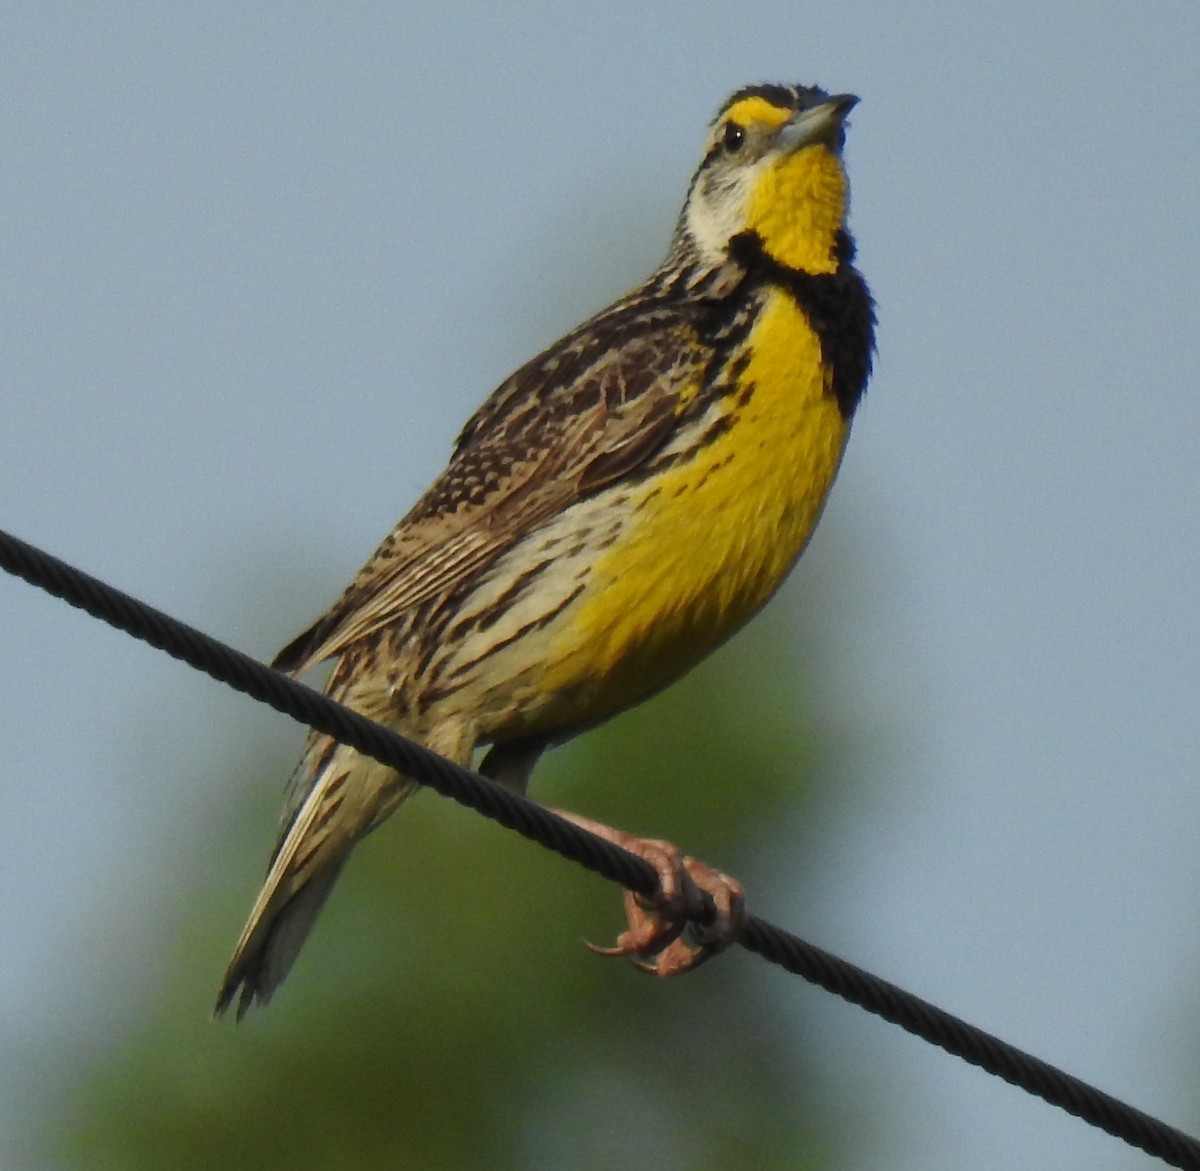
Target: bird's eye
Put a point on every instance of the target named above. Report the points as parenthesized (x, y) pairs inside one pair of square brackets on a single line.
[(733, 137)]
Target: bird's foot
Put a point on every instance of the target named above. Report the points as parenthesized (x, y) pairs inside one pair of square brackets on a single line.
[(673, 930)]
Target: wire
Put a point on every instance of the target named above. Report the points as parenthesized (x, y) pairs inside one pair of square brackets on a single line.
[(820, 967)]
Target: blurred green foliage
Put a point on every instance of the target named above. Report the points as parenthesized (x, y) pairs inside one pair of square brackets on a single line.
[(446, 1015)]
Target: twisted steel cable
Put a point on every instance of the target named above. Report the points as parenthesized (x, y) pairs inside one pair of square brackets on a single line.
[(513, 811)]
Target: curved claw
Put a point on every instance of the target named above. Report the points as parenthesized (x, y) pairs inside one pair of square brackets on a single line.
[(596, 949), (677, 953), (673, 932)]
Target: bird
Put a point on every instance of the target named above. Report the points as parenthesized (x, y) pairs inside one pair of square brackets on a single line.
[(614, 511)]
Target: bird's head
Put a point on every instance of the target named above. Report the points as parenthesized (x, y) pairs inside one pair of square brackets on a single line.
[(772, 167)]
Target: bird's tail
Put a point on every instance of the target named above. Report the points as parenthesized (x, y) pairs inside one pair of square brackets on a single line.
[(338, 797)]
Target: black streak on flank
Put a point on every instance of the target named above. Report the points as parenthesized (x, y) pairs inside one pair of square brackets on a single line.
[(838, 306), (536, 624)]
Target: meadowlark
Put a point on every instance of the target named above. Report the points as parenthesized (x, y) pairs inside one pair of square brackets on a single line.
[(613, 512)]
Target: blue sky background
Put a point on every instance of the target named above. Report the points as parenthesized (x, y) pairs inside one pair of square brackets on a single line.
[(261, 261)]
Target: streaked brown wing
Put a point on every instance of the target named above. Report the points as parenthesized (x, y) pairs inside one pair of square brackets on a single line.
[(584, 413)]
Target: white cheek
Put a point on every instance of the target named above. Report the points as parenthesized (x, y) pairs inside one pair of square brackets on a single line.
[(713, 218)]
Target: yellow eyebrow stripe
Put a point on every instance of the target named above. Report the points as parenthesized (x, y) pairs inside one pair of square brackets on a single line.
[(757, 110)]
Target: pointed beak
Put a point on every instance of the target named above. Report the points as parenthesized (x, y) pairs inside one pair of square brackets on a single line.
[(821, 123)]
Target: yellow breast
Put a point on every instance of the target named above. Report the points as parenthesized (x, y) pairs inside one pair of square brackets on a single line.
[(710, 539)]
